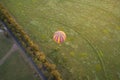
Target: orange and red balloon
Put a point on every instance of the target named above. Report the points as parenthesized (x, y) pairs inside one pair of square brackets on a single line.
[(59, 36)]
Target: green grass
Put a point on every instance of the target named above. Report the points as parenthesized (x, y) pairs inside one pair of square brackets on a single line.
[(91, 50), (4, 47), (16, 69)]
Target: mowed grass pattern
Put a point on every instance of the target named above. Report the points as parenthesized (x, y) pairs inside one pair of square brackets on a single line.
[(91, 50)]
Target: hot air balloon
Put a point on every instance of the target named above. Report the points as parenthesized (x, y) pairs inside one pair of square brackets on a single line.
[(59, 36)]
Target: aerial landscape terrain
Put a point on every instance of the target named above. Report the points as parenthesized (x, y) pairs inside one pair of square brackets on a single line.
[(91, 50)]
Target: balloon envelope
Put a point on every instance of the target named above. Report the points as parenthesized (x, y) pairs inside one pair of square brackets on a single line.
[(59, 36)]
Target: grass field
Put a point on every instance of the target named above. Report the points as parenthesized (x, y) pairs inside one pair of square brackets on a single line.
[(14, 67), (92, 48), (4, 47)]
